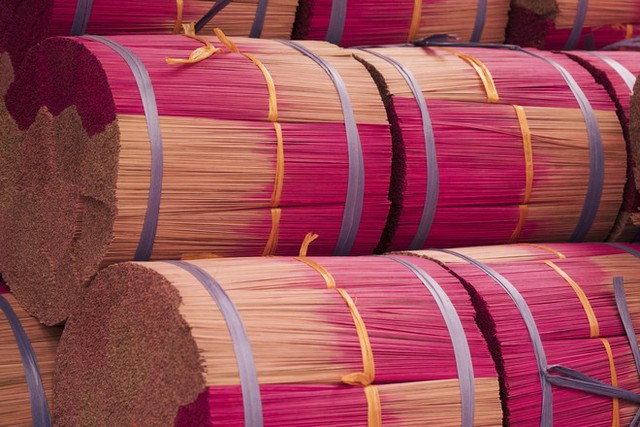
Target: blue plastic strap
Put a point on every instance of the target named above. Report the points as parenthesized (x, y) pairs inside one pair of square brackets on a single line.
[(336, 21), (148, 234), (578, 24), (481, 18), (81, 17)]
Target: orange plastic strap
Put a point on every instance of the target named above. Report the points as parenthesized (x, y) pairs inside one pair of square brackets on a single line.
[(559, 254), (374, 407), (179, 13), (593, 321), (416, 18), (483, 72), (366, 377), (529, 170), (615, 420), (197, 55), (276, 196)]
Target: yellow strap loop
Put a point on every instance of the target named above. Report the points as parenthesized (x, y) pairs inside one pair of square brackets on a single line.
[(179, 13), (559, 254), (416, 18), (529, 170), (630, 31), (615, 420), (197, 55), (482, 71), (584, 300), (366, 377), (374, 406)]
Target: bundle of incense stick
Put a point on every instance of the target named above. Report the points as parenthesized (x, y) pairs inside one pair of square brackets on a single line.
[(561, 310), (616, 72), (27, 359), (572, 24), (498, 146), (360, 22), (241, 153), (276, 342)]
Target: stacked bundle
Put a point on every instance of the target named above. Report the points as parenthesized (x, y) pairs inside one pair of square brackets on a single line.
[(616, 72), (138, 159), (572, 24), (558, 308), (498, 146), (27, 355), (276, 342), (360, 22)]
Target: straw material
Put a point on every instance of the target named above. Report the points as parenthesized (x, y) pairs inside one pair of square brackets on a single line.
[(570, 295), (621, 95), (512, 148), (15, 406), (371, 22), (250, 175), (149, 339), (547, 24)]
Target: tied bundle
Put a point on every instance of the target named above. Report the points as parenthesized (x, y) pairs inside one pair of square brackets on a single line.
[(616, 72), (276, 342), (497, 146), (561, 327), (126, 157), (363, 22), (27, 359), (572, 24)]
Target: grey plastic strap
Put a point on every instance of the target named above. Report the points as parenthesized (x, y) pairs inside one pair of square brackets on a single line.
[(81, 17), (596, 151), (251, 398), (632, 251), (625, 316), (633, 43), (481, 18), (39, 408), (622, 71), (433, 174), (578, 24), (148, 234), (336, 21), (546, 416), (219, 5), (578, 381), (458, 339), (355, 190)]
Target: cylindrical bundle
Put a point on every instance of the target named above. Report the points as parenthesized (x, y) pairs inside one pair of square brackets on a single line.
[(249, 151), (25, 23), (572, 24), (573, 315), (498, 147), (366, 22), (617, 72), (27, 359), (376, 337)]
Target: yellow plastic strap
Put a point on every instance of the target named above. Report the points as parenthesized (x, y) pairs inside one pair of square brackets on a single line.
[(559, 254), (197, 55), (483, 72), (629, 32), (593, 321), (179, 12), (366, 377), (374, 407), (276, 196), (416, 18), (529, 171), (615, 420)]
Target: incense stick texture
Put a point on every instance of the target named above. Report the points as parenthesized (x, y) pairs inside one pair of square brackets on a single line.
[(87, 185), (15, 405), (513, 153), (548, 24), (604, 73), (371, 22), (570, 336), (302, 336)]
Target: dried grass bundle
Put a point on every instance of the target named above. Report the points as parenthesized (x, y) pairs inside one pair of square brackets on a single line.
[(258, 148), (333, 341), (27, 358), (572, 24), (616, 72), (502, 149), (571, 298), (360, 22)]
